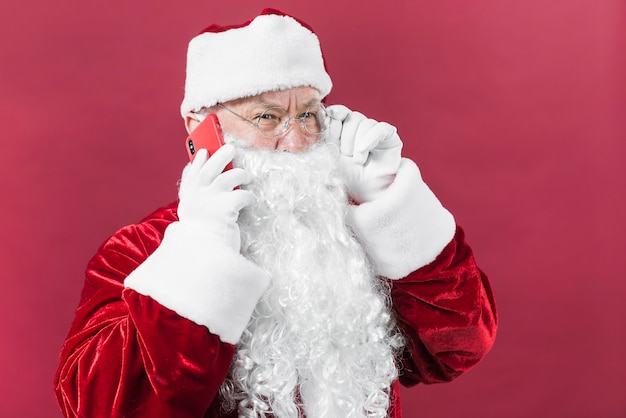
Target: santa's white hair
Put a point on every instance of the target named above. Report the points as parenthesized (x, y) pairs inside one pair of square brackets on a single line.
[(321, 341)]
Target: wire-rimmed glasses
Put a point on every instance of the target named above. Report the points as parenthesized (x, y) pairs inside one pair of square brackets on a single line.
[(275, 121)]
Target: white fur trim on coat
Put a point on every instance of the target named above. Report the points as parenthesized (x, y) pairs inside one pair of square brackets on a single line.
[(405, 227), (201, 280), (272, 53)]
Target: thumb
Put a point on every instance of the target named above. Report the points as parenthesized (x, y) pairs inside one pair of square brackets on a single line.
[(338, 112)]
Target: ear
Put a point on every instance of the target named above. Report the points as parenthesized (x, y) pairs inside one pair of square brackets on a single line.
[(191, 122)]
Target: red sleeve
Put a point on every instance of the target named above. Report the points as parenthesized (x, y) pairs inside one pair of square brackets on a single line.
[(128, 356), (447, 314)]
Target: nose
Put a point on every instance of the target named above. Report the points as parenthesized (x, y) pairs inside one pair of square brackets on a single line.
[(295, 139)]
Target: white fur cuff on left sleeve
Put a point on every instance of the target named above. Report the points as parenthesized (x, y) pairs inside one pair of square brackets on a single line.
[(201, 279), (405, 227)]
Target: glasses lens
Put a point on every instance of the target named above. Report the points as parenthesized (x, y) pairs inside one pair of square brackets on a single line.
[(273, 121), (314, 119)]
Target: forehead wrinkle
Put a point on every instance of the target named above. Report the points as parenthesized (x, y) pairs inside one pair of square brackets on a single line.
[(297, 95), (268, 103), (297, 103)]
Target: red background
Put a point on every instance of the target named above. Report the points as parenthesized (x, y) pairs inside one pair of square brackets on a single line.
[(514, 110)]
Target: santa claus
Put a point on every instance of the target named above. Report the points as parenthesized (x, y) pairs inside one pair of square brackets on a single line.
[(307, 281)]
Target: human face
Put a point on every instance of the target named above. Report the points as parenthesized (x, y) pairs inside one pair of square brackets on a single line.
[(295, 100)]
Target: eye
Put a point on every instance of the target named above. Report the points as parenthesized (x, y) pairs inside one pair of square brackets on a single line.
[(313, 112), (306, 115), (273, 114)]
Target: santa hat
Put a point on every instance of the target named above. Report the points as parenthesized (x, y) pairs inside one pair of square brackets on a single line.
[(273, 51)]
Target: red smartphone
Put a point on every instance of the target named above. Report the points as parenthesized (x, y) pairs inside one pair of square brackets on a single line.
[(208, 135)]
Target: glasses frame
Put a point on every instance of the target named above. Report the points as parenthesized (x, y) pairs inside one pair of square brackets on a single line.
[(286, 124)]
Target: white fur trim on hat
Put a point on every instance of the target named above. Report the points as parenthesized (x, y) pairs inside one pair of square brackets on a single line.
[(201, 280), (273, 52), (405, 227)]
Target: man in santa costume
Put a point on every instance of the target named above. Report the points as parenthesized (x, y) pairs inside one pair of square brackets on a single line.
[(310, 280)]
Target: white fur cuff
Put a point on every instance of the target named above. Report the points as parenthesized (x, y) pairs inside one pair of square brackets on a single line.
[(405, 227), (201, 280)]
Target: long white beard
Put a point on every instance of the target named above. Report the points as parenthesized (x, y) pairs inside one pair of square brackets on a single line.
[(321, 341)]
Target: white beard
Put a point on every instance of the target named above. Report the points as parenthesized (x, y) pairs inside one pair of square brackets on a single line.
[(321, 341)]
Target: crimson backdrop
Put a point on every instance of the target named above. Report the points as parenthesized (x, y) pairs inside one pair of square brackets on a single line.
[(514, 110)]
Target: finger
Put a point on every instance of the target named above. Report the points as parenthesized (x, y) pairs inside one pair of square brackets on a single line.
[(369, 138), (216, 163), (349, 130), (241, 198), (336, 115), (338, 112), (186, 170), (230, 179), (333, 133), (194, 167), (391, 140)]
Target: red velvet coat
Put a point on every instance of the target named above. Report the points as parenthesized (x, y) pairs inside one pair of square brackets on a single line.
[(128, 356)]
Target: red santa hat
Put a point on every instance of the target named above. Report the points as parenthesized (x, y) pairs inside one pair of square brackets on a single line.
[(273, 51)]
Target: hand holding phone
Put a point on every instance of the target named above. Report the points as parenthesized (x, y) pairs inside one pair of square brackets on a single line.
[(211, 200), (207, 135)]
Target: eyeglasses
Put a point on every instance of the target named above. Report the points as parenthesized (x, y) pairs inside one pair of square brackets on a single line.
[(275, 121)]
